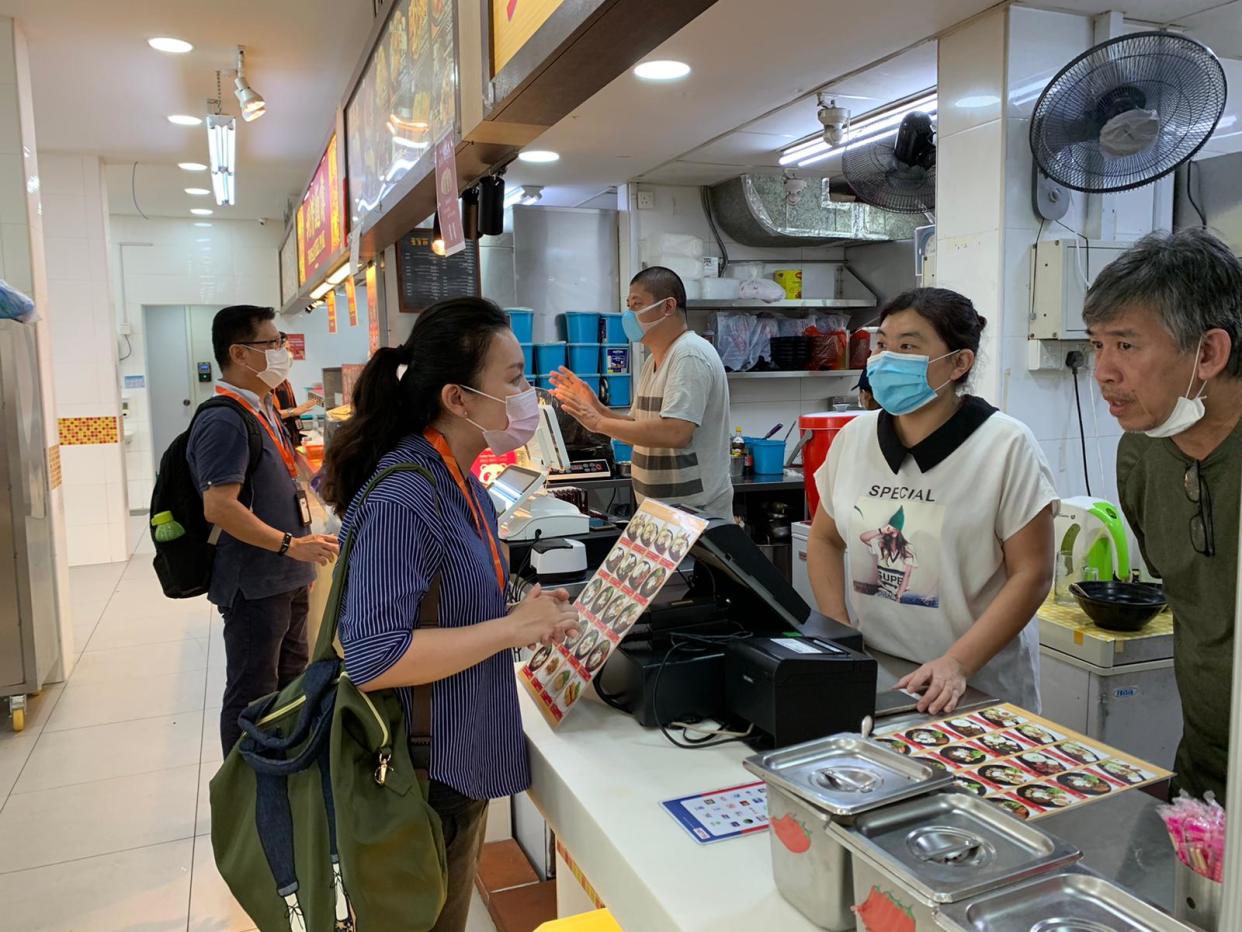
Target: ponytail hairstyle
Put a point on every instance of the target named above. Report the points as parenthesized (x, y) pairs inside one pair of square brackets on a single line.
[(448, 346)]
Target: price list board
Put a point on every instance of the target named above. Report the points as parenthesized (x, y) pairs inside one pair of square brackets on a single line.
[(423, 278)]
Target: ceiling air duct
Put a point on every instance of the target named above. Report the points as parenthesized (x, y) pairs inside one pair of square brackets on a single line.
[(757, 210)]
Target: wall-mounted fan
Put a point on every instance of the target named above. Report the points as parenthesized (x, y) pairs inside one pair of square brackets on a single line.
[(896, 173), (1123, 114)]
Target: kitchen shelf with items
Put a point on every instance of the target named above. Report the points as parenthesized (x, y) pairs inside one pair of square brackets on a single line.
[(785, 304)]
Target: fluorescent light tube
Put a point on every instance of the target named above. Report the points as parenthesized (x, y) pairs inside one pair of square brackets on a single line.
[(222, 150)]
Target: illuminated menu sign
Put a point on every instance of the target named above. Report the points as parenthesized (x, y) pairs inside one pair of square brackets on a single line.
[(320, 219), (513, 23)]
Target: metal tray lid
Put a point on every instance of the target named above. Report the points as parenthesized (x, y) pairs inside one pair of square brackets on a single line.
[(1074, 898), (847, 774), (952, 846)]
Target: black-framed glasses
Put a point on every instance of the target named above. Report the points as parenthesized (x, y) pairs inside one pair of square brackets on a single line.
[(1202, 527), (279, 343)]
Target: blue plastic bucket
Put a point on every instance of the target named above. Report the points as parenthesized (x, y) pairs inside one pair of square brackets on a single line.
[(619, 395), (622, 452), (614, 359), (769, 456), (584, 357), (581, 326), (549, 356), (528, 350), (612, 331), (544, 382), (523, 323)]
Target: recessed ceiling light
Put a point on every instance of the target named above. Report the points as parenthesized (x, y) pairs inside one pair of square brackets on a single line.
[(539, 156), (201, 211), (182, 119), (170, 45), (662, 70), (198, 192), (201, 223), (192, 166)]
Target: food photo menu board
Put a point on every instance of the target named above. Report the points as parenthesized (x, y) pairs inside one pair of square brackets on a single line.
[(1022, 762), (655, 542)]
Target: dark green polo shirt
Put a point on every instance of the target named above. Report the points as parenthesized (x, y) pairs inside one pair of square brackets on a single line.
[(1201, 590)]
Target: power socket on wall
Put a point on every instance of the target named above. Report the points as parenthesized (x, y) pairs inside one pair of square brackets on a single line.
[(1050, 355)]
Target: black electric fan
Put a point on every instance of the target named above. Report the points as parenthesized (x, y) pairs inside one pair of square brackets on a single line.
[(1127, 112), (896, 173)]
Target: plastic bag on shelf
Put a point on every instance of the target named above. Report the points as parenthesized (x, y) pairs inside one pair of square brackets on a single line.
[(733, 340), (765, 328), (687, 269), (16, 306), (793, 326)]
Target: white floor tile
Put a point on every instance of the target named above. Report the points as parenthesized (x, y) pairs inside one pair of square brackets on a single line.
[(211, 752), (202, 817), (86, 755), (13, 757), (141, 661), (145, 889), (54, 826), (129, 631), (479, 920), (212, 906), (101, 701), (39, 710)]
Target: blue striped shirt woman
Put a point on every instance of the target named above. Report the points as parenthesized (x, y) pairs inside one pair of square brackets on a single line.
[(455, 388)]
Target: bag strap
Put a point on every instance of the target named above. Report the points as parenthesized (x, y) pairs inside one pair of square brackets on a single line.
[(324, 649), (252, 436), (420, 704)]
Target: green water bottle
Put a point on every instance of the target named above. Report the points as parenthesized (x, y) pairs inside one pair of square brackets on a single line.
[(166, 527)]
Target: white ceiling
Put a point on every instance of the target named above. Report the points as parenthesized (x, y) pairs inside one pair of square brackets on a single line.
[(98, 88), (751, 91)]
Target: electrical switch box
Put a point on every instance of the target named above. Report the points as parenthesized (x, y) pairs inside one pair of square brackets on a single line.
[(1064, 270)]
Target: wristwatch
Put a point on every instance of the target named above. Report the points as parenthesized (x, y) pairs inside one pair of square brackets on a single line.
[(284, 544)]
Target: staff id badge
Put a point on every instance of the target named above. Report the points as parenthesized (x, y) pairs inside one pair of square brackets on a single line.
[(303, 507)]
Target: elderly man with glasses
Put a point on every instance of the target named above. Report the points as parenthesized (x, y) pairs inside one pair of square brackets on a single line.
[(1165, 319)]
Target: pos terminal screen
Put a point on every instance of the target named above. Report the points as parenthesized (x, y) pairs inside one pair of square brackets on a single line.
[(514, 486)]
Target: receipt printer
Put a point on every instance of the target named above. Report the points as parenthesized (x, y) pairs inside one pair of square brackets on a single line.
[(797, 688)]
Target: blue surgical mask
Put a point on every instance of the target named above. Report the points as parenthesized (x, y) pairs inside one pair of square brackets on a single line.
[(634, 328), (899, 381)]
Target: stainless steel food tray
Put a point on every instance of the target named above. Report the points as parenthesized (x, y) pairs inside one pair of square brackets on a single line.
[(847, 774), (1068, 899), (950, 847)]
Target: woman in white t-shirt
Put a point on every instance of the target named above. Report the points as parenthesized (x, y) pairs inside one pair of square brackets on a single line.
[(936, 515)]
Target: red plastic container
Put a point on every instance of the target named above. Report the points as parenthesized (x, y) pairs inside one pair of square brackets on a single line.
[(824, 427)]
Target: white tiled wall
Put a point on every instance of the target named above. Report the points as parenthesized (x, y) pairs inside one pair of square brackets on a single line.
[(175, 262), (75, 237)]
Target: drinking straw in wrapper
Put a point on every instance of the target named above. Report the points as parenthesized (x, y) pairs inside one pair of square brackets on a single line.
[(1197, 830)]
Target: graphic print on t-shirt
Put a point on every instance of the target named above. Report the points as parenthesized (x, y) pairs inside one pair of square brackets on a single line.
[(901, 539)]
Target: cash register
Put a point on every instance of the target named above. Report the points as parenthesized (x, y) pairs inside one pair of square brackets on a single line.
[(527, 511), (735, 643)]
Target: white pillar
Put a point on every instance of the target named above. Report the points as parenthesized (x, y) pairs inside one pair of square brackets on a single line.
[(22, 266)]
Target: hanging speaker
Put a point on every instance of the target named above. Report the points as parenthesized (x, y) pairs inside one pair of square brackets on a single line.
[(470, 212), (492, 206)]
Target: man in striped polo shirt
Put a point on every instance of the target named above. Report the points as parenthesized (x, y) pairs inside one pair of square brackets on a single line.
[(679, 421)]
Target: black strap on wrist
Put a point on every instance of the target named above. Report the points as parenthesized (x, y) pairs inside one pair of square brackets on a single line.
[(284, 544)]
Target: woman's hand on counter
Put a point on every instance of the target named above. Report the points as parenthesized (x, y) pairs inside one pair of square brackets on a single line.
[(543, 617), (941, 683)]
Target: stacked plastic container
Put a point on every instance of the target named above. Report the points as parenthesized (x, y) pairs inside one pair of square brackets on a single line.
[(594, 347), (614, 362), (522, 321)]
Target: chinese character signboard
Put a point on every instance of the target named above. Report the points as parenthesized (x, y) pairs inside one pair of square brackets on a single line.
[(320, 218), (513, 23), (448, 207)]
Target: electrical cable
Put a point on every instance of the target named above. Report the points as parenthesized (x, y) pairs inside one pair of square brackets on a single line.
[(1082, 431), (1190, 193), (711, 222), (1082, 274), (1038, 236), (680, 642), (133, 192)]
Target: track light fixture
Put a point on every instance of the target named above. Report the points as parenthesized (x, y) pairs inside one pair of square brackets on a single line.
[(251, 101)]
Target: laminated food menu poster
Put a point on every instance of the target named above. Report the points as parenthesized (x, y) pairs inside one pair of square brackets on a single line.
[(1025, 763), (654, 543)]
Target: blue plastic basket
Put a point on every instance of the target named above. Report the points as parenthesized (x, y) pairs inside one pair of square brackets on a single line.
[(581, 326), (544, 382), (614, 359), (622, 452), (591, 379), (769, 456), (523, 323), (619, 390), (612, 331), (584, 357), (549, 356), (528, 350)]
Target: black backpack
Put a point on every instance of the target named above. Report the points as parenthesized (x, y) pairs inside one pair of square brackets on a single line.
[(183, 564)]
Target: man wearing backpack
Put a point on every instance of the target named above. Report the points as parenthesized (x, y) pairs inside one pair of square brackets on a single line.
[(265, 556)]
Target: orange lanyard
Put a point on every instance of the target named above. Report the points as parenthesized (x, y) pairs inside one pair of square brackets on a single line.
[(286, 453), (436, 439)]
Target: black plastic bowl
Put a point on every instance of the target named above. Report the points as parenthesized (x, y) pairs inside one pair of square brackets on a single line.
[(1120, 606)]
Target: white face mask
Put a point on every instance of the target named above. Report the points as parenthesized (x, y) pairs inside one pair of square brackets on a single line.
[(279, 362), (1187, 411)]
